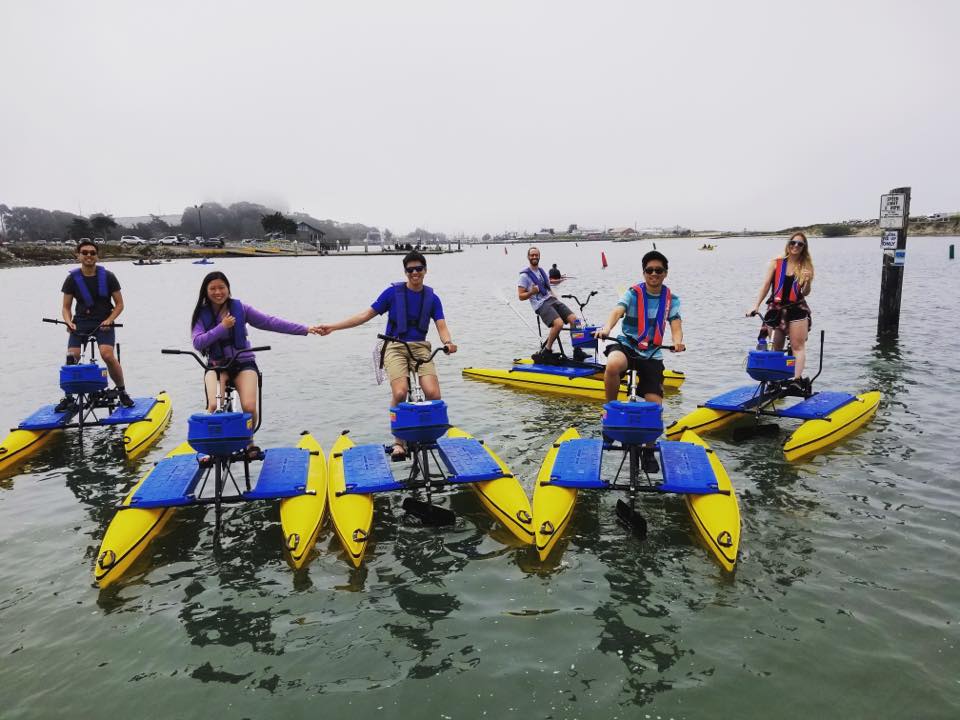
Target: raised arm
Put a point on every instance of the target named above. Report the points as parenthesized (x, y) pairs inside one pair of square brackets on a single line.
[(359, 319)]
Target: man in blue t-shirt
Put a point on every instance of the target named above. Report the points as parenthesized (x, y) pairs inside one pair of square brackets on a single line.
[(411, 307), (642, 335)]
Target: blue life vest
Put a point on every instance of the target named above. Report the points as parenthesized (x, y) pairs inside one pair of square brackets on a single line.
[(239, 340), (636, 325), (542, 282), (397, 322), (84, 299)]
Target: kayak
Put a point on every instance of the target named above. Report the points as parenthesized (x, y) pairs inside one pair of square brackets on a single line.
[(133, 528), (583, 380), (351, 514), (715, 515), (302, 515)]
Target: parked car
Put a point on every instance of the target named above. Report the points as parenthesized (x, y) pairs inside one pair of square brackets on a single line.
[(168, 240), (214, 242), (131, 240)]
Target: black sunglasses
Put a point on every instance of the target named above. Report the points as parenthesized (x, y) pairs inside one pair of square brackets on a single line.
[(797, 243), (655, 270), (88, 252), (414, 268)]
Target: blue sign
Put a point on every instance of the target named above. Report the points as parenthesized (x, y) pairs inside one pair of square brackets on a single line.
[(899, 256)]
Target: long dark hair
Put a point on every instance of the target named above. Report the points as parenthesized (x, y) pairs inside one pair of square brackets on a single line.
[(202, 301)]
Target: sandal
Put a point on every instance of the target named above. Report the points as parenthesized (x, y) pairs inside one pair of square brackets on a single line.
[(252, 452)]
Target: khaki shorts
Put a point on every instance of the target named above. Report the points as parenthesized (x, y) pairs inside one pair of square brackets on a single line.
[(397, 363)]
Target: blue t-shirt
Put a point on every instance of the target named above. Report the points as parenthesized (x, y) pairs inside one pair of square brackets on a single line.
[(414, 304), (630, 303)]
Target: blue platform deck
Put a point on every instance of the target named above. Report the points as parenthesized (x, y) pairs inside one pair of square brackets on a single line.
[(467, 460), (577, 464), (558, 370), (170, 484), (367, 470), (283, 475), (742, 399), (686, 468), (817, 406), (46, 418), (123, 416)]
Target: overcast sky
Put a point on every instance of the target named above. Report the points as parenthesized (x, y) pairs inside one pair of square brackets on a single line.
[(483, 116)]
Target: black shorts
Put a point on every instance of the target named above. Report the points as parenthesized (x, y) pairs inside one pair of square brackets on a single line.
[(649, 372), (795, 312), (239, 367)]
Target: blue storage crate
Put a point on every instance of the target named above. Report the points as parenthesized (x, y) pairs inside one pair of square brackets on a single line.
[(83, 378), (419, 422), (220, 433), (633, 423), (770, 365), (583, 336)]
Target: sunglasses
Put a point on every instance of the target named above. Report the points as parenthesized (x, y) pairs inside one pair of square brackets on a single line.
[(414, 268), (797, 243), (655, 270), (88, 252)]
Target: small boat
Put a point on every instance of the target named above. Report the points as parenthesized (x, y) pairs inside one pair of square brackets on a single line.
[(205, 261)]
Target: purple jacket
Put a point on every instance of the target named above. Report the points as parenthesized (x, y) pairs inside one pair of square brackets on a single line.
[(203, 339)]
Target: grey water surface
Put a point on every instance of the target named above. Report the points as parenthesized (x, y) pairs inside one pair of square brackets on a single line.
[(845, 602)]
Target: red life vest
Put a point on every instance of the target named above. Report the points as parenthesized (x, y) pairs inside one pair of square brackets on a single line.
[(780, 276), (659, 324)]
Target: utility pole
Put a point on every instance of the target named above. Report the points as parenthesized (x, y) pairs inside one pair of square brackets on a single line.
[(200, 221), (894, 221)]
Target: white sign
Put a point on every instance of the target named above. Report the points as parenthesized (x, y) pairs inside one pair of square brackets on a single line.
[(899, 256), (889, 240), (892, 208)]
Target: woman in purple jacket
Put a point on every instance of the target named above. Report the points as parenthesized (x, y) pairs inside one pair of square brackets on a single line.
[(219, 326)]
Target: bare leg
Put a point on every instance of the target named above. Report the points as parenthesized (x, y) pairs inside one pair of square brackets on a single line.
[(555, 329), (399, 389), (113, 365), (616, 365), (431, 386), (778, 339), (210, 388), (798, 342), (246, 384)]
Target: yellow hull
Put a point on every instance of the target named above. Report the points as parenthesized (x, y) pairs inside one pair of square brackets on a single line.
[(716, 516), (701, 420), (21, 444), (301, 516), (352, 515), (129, 533), (138, 437), (585, 387), (503, 497), (815, 435), (552, 505)]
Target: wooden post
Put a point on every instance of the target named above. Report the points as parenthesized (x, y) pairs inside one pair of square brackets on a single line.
[(894, 217)]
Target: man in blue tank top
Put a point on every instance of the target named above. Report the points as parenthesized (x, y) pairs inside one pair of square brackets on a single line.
[(99, 302), (411, 306), (534, 285)]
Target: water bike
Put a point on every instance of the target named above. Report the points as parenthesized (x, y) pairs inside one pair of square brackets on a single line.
[(580, 375), (828, 416), (440, 456), (686, 466), (214, 468), (95, 405)]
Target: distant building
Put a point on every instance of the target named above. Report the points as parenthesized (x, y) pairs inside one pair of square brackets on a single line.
[(309, 234), (623, 232), (374, 237)]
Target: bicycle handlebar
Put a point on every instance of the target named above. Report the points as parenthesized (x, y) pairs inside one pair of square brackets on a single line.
[(53, 321), (416, 363), (208, 366)]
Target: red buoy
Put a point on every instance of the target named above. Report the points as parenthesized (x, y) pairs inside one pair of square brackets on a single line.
[(603, 258)]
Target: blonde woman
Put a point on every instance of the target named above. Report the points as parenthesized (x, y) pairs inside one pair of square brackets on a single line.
[(789, 280)]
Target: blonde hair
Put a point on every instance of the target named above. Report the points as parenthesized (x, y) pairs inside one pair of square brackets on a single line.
[(805, 262)]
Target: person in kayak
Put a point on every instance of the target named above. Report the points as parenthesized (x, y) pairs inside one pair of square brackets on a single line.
[(534, 285), (555, 273), (410, 306), (789, 279), (646, 308), (219, 329), (99, 302)]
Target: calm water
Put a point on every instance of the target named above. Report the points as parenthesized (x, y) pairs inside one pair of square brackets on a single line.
[(845, 603)]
